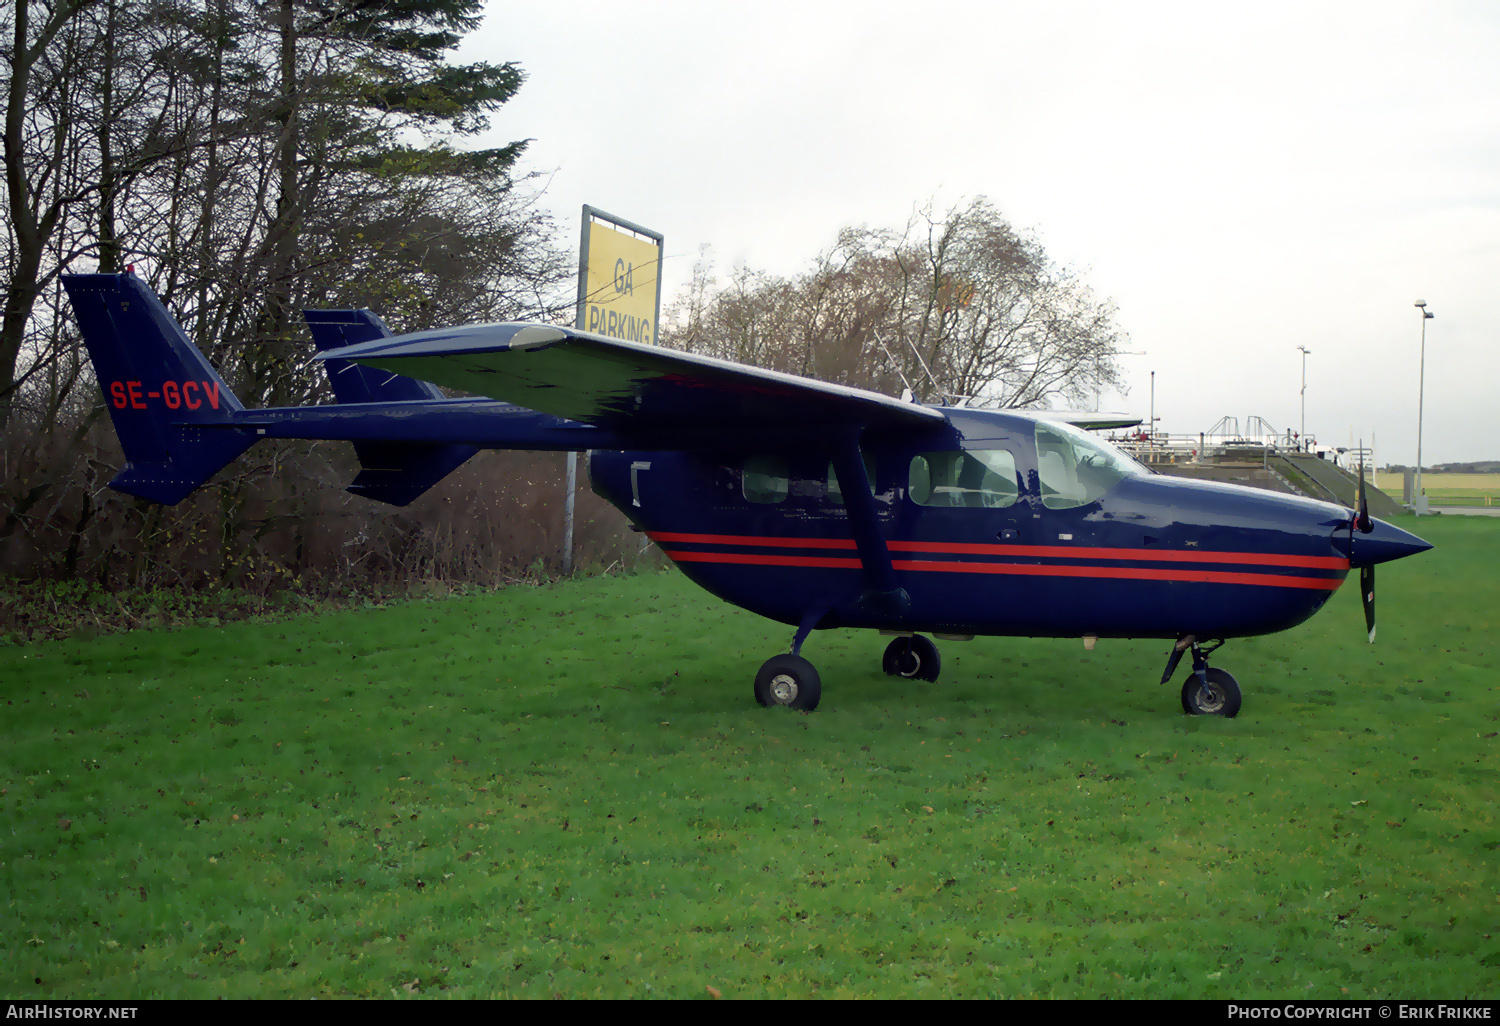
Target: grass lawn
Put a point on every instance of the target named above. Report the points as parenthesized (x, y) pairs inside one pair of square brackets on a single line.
[(569, 790), (1455, 489)]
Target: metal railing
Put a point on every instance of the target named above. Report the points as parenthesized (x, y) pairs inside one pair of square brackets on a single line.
[(1164, 448), (1161, 447)]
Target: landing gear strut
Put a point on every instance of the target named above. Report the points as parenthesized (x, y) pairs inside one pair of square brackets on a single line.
[(1207, 691)]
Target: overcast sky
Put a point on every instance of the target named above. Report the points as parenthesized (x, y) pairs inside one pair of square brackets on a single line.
[(1239, 179)]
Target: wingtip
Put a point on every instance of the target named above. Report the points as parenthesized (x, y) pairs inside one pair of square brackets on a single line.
[(535, 336)]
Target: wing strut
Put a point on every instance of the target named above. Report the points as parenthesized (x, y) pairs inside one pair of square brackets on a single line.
[(882, 593)]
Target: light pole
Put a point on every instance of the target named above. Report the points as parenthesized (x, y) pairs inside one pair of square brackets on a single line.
[(1419, 500), (1302, 438), (1154, 417)]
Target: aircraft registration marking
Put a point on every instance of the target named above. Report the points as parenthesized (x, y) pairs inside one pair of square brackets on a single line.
[(192, 394)]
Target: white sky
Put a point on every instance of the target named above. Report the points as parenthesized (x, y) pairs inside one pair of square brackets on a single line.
[(1240, 179)]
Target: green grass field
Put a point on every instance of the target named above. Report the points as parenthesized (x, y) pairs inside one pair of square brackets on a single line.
[(1454, 489), (568, 790)]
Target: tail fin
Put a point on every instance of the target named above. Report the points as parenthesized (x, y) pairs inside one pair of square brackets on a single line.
[(391, 472), (351, 382), (168, 403)]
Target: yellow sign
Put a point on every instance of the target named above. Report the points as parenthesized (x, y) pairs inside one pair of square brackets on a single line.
[(620, 288)]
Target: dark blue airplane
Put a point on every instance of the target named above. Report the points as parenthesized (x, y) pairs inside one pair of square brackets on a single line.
[(813, 504)]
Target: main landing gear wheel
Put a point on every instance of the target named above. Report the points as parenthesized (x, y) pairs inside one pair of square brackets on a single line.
[(1220, 698), (788, 680), (914, 657)]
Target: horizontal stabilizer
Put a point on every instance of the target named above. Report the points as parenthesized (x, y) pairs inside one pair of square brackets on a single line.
[(398, 472), (391, 472), (172, 480)]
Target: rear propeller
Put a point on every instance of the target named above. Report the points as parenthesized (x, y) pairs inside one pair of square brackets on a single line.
[(1361, 522)]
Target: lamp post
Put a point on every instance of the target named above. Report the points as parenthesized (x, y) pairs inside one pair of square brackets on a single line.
[(1420, 499), (1302, 437)]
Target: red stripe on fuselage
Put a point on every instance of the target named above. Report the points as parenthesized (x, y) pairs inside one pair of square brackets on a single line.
[(1021, 569), (752, 539), (1121, 572), (762, 559), (1149, 555), (1011, 551)]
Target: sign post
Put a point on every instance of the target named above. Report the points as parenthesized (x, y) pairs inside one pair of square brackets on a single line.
[(619, 295)]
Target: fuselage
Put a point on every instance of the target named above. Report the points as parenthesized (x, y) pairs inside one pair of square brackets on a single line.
[(996, 524), (812, 503)]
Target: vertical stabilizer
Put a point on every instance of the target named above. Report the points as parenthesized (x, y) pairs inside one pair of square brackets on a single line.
[(351, 382), (168, 404)]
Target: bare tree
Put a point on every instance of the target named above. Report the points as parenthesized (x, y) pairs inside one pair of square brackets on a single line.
[(958, 305), (46, 55), (251, 159)]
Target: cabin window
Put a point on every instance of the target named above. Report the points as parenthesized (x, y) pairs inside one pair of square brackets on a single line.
[(835, 493), (1074, 468), (973, 479), (765, 479)]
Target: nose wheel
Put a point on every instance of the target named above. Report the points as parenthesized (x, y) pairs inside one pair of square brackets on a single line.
[(1218, 694), (1207, 691)]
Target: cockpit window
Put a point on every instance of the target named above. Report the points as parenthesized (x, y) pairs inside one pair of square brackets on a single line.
[(1074, 467), (978, 478), (765, 479)]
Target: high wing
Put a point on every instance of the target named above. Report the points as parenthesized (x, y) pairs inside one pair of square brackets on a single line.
[(646, 394), (1084, 419)]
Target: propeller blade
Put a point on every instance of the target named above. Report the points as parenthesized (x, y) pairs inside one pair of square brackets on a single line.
[(1362, 504), (1367, 597)]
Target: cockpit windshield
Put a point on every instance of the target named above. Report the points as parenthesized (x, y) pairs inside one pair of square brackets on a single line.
[(1075, 467)]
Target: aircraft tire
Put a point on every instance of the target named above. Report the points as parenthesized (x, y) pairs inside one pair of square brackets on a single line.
[(1221, 698), (915, 658), (788, 680)]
